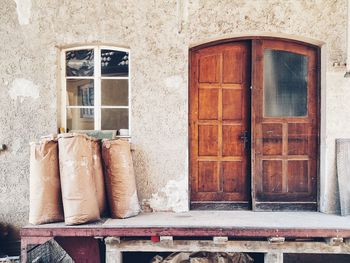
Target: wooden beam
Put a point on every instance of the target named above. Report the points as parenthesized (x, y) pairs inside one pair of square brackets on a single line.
[(183, 232), (229, 246)]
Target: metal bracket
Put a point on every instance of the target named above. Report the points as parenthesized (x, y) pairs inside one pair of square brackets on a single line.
[(276, 240), (222, 239)]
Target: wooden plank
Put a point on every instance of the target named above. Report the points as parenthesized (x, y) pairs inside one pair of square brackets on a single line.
[(183, 231), (229, 246)]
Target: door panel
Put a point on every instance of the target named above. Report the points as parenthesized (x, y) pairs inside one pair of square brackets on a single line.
[(219, 117), (233, 182), (208, 108), (209, 69), (231, 104), (208, 177), (285, 125), (208, 140)]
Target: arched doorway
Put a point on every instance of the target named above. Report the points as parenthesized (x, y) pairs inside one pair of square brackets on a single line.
[(254, 125)]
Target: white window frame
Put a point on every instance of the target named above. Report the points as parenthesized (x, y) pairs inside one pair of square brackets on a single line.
[(97, 78)]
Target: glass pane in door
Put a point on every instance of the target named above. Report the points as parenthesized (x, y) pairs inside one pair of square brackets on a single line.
[(285, 84)]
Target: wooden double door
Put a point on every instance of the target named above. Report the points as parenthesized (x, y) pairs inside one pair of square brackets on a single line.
[(253, 118)]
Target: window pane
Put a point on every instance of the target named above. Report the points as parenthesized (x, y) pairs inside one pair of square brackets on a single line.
[(80, 92), (80, 119), (114, 63), (80, 62), (114, 119), (114, 92), (285, 84)]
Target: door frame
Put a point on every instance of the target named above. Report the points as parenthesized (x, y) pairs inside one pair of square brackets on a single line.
[(252, 147)]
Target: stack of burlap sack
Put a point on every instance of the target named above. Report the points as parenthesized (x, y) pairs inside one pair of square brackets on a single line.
[(71, 178)]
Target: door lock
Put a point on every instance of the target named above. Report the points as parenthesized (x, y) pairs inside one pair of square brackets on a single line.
[(245, 139)]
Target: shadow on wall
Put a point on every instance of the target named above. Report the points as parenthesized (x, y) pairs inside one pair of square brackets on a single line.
[(9, 246)]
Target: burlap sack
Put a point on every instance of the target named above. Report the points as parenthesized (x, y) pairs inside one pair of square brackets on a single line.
[(99, 178), (120, 179), (78, 185), (45, 200)]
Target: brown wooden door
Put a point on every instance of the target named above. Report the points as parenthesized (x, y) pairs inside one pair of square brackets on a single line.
[(285, 125), (219, 118)]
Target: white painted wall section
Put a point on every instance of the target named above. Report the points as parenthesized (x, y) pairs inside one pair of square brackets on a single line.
[(23, 11), (23, 88)]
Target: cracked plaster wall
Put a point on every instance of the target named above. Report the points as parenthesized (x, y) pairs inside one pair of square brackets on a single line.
[(32, 33)]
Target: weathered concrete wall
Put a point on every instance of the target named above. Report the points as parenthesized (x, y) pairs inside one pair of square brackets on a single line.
[(32, 32)]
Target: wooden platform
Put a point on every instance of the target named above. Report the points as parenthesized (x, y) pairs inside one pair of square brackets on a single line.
[(244, 231), (205, 223)]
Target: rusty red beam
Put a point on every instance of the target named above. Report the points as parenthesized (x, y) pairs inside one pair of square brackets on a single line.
[(183, 232)]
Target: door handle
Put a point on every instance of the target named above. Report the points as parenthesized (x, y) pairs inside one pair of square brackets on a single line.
[(244, 138)]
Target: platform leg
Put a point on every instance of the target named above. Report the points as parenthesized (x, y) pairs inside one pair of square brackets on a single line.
[(24, 250), (273, 258), (113, 254)]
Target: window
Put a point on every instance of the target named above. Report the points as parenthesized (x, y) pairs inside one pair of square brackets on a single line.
[(285, 84), (96, 89)]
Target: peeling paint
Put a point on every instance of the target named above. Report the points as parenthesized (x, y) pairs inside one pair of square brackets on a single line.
[(23, 11), (173, 197), (22, 88)]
